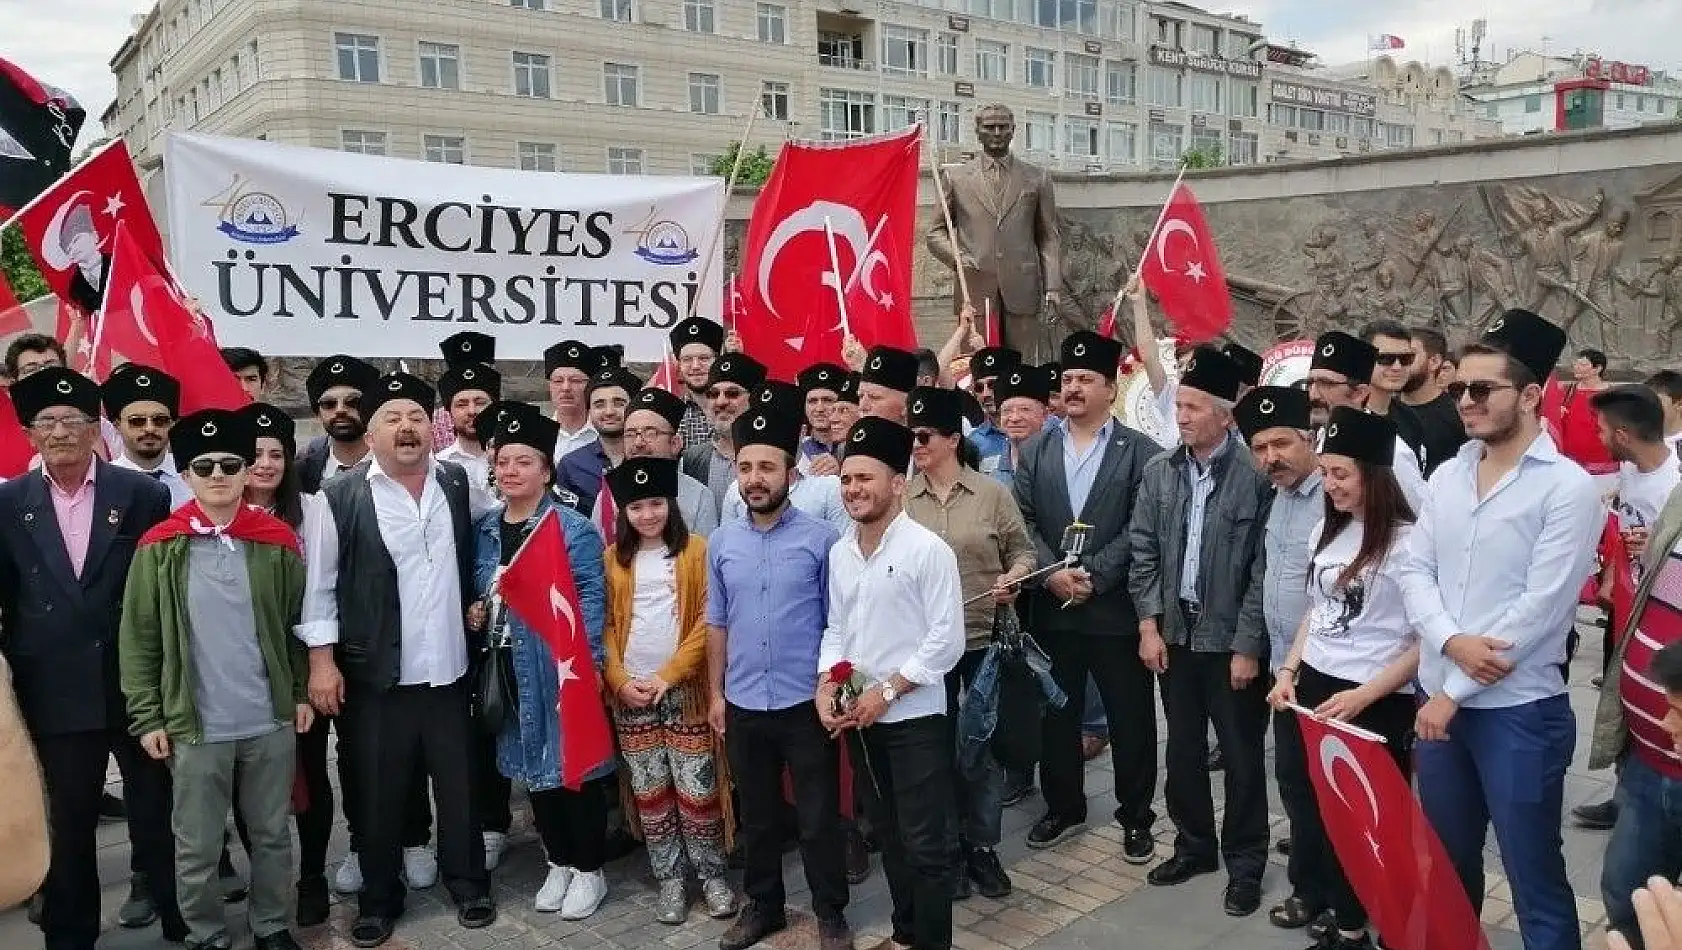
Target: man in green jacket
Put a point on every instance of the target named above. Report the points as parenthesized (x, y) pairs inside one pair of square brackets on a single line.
[(214, 679)]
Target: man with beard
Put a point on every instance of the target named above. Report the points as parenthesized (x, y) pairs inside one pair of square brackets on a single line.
[(1274, 421), (990, 441), (1439, 419), (569, 365), (1490, 575), (466, 390), (767, 578), (389, 576), (817, 495), (335, 388), (887, 377), (732, 380), (896, 616), (142, 402), (1337, 375), (651, 431), (1393, 366), (583, 471), (820, 387), (696, 342), (467, 348)]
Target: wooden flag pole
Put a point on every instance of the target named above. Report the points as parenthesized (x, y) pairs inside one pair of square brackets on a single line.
[(1139, 265), (946, 215), (729, 189)]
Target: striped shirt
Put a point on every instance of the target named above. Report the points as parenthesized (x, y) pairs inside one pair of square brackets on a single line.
[(1645, 703)]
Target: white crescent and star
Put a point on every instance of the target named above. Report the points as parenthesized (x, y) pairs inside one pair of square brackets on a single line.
[(1194, 269), (563, 610), (849, 226), (1334, 750)]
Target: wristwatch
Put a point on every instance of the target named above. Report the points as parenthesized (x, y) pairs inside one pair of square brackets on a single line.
[(888, 693)]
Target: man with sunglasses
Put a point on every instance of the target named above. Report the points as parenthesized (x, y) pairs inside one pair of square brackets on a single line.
[(335, 387), (143, 401), (1439, 417), (1338, 375), (730, 383), (1393, 362), (990, 441)]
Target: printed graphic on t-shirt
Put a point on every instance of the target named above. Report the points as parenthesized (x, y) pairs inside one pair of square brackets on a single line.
[(1332, 617)]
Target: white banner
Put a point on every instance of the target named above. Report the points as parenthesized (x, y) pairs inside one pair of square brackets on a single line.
[(309, 252)]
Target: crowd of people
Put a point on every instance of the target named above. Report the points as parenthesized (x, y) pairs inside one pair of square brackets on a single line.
[(867, 606)]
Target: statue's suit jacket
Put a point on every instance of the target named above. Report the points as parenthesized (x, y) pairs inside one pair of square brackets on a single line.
[(1010, 232)]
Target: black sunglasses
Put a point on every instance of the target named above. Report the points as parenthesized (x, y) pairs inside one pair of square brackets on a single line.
[(1394, 359), (204, 468), (1479, 391), (160, 420), (327, 402)]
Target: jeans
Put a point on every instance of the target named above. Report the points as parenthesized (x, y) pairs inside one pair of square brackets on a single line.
[(905, 779), (980, 809), (1093, 721), (1647, 840)]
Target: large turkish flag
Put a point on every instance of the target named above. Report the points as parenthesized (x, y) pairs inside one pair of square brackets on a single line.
[(1183, 269)]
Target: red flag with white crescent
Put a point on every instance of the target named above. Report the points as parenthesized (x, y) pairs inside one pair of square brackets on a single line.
[(1388, 849), (1182, 268), (538, 586)]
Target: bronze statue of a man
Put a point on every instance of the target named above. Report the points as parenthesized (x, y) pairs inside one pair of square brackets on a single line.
[(1009, 246)]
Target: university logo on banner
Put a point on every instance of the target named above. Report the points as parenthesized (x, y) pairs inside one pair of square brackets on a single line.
[(313, 251)]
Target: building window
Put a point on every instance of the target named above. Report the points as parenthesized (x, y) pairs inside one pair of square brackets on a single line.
[(1120, 20), (624, 161), (528, 4), (845, 50), (1167, 32), (1202, 40), (1338, 124), (531, 75), (449, 149), (1041, 132), (1238, 45), (361, 142), (773, 99), (1203, 92), (1311, 119), (1363, 128), (440, 66), (359, 56), (1534, 103), (773, 23), (1206, 140), (845, 114), (251, 53), (1121, 82), (703, 93), (1123, 142), (1398, 136), (536, 156), (1080, 74), (949, 124), (193, 103), (905, 50), (699, 16), (1039, 67), (1163, 87), (1242, 148), (1282, 115), (621, 84), (900, 112), (946, 53), (619, 10), (992, 61), (1080, 137), (1166, 143), (1244, 98)]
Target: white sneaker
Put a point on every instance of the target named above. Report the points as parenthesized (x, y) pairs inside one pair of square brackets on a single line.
[(420, 868), (588, 890), (349, 878), (495, 843), (553, 893)]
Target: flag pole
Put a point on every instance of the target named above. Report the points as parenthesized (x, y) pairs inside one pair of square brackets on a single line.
[(835, 269), (724, 207), (1353, 730), (1139, 265), (946, 215), (496, 581)]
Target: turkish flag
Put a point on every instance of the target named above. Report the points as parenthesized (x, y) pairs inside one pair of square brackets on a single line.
[(147, 319), (13, 318), (38, 127), (1615, 555), (1184, 271), (865, 193), (71, 226), (538, 586), (1388, 850)]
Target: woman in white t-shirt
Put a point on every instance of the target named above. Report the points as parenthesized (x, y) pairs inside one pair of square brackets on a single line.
[(1355, 653)]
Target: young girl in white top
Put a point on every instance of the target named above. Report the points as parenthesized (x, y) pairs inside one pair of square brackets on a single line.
[(1355, 653)]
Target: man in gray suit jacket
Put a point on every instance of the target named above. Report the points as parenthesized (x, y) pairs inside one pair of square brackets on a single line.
[(1009, 244), (1087, 470)]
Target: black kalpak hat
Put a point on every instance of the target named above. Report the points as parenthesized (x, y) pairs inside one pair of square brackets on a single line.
[(890, 368), (399, 385), (1213, 372), (697, 330), (519, 423), (1026, 382), (612, 376), (782, 397), (822, 376), (1269, 407), (54, 386), (609, 356), (1084, 349), (760, 426), (657, 400), (269, 422), (848, 391), (884, 440), (1350, 357), (1360, 435), (989, 361), (642, 478), (213, 430), (1247, 359), (1531, 340), (468, 376), (738, 368), (935, 407), (468, 346), (570, 354), (340, 370), (485, 423), (134, 383)]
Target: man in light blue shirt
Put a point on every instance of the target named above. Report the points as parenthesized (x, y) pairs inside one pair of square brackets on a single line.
[(986, 366), (1490, 576)]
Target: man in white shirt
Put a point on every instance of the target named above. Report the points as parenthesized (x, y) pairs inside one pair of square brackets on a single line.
[(1491, 575), (653, 429), (568, 365), (1338, 375), (465, 391), (896, 615), (142, 402), (388, 572), (1668, 384)]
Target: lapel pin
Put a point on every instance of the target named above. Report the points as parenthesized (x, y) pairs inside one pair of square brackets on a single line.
[(29, 517), (114, 517)]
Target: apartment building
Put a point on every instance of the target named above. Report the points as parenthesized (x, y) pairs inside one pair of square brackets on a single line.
[(1533, 92)]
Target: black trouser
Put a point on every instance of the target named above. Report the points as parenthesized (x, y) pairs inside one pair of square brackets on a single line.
[(760, 744), (573, 825), (1391, 717), (395, 734), (1196, 691), (73, 769), (1127, 689), (1296, 793), (903, 771), (491, 789), (315, 823)]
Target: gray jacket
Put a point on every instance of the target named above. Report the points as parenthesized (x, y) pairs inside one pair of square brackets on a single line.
[(1233, 522)]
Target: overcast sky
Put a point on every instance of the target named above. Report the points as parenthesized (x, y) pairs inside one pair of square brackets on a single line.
[(69, 43)]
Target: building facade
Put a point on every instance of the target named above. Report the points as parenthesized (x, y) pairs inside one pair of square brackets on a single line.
[(663, 86), (1532, 92)]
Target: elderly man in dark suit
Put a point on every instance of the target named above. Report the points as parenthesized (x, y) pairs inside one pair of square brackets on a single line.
[(1087, 470), (1009, 244), (70, 533)]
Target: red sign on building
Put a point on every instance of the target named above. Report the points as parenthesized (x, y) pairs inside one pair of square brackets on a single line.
[(1627, 73)]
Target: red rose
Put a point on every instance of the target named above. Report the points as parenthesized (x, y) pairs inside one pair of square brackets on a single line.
[(841, 672)]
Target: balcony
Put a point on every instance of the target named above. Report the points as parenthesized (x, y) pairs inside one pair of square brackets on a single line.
[(845, 61)]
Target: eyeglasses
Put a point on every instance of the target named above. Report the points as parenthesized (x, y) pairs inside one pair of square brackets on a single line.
[(650, 433), (71, 424), (1479, 391), (1394, 359), (204, 468), (160, 420), (924, 436), (328, 402)]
